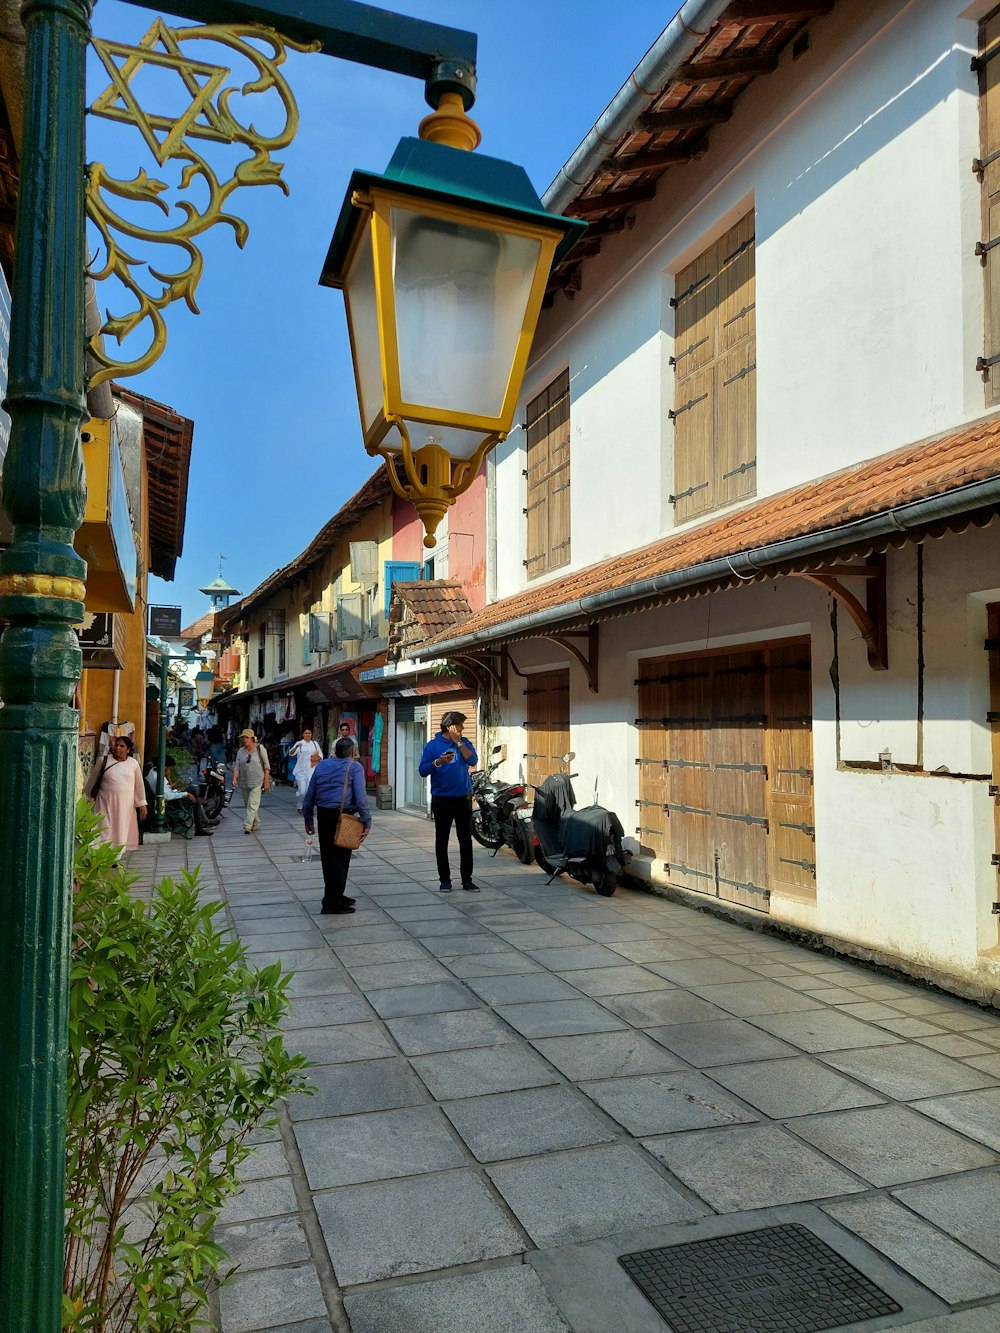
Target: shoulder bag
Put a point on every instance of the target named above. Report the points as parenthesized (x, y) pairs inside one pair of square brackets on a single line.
[(93, 783), (350, 831)]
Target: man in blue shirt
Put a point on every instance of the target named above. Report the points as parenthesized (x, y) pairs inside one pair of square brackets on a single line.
[(446, 760)]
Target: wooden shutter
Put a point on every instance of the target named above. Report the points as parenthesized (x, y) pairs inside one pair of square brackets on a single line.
[(989, 86), (548, 476), (715, 410), (993, 648), (459, 703), (654, 779)]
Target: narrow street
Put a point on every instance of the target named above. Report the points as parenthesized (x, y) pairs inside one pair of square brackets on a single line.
[(516, 1088)]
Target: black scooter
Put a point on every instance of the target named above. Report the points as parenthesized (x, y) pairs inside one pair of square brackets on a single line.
[(585, 844), (500, 816), (212, 789)]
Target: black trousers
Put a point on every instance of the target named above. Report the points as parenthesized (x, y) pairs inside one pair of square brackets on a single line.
[(448, 810), (336, 861)]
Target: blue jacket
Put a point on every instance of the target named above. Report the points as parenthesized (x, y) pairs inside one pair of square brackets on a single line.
[(327, 784), (451, 779)]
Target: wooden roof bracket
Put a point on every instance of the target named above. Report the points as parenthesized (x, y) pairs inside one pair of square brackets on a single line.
[(869, 618), (494, 665), (588, 660)]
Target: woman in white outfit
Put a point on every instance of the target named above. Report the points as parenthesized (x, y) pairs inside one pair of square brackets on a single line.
[(303, 752)]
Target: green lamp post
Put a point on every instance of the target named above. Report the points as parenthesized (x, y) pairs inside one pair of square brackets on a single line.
[(42, 579)]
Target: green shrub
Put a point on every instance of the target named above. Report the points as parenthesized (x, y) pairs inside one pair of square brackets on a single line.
[(175, 1058)]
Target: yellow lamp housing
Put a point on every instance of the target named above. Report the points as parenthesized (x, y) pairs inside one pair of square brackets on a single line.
[(443, 262), (204, 686)]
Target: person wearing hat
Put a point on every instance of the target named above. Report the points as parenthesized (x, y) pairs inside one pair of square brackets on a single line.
[(446, 760), (252, 775)]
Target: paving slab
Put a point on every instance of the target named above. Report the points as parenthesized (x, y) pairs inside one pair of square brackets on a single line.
[(252, 1301), (260, 1198), (320, 981), (434, 997), (890, 1145), (948, 1268), (824, 1030), (598, 981), (423, 1033), (665, 1103), (376, 933), (656, 951), (965, 1207), (652, 1008), (573, 1196), (384, 1230), (524, 1123), (574, 959), (272, 943), (340, 1044), (793, 1087), (975, 1114), (381, 976), (614, 932), (482, 1070), (908, 1072), (328, 1011), (557, 1018), (293, 960), (273, 1242), (722, 1042), (500, 964), (606, 1055), (353, 1149), (522, 988), (391, 951), (701, 971), (365, 1085), (750, 1166), (747, 998), (497, 1300), (445, 946)]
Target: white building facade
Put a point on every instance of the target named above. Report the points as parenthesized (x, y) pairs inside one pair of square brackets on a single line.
[(745, 562)]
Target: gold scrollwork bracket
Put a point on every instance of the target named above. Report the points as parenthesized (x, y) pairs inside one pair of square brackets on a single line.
[(210, 115)]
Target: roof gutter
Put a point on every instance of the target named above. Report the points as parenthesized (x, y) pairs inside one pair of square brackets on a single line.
[(674, 45), (741, 565)]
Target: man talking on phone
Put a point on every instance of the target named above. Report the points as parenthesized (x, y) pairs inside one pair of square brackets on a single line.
[(447, 760)]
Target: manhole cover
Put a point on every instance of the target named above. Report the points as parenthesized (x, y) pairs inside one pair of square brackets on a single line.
[(777, 1280)]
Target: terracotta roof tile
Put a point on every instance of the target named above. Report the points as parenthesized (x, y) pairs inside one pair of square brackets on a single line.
[(428, 609), (929, 468)]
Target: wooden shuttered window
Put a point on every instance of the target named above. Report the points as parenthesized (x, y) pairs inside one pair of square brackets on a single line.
[(989, 115), (458, 703), (547, 509), (715, 381), (546, 695)]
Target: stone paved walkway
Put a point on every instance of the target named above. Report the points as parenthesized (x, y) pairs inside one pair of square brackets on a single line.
[(518, 1087)]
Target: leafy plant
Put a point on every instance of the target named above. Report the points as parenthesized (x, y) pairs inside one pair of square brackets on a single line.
[(174, 1059)]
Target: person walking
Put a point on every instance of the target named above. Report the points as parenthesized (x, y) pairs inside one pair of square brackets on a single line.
[(306, 754), (116, 790), (344, 733), (252, 775), (446, 760), (336, 784)]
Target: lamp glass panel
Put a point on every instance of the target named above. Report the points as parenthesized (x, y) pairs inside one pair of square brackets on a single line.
[(204, 683), (362, 310), (461, 294), (459, 443)]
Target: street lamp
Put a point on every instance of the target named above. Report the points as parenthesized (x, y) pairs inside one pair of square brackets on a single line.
[(443, 262), (204, 686), (42, 578)]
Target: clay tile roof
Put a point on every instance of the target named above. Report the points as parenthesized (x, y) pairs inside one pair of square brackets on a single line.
[(424, 611), (203, 625), (828, 510)]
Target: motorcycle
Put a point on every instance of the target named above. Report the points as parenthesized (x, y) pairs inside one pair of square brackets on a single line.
[(501, 814), (585, 844), (212, 789)]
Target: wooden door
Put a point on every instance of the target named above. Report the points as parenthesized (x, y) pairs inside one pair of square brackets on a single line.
[(725, 763), (993, 648), (547, 724)]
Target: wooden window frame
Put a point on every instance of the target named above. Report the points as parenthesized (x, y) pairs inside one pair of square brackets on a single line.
[(548, 473), (989, 176)]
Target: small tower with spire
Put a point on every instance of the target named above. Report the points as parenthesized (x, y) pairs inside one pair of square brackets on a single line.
[(219, 591)]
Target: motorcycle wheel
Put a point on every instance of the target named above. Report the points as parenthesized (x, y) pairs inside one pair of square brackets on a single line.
[(546, 866), (214, 802), (520, 841), (479, 834), (605, 882)]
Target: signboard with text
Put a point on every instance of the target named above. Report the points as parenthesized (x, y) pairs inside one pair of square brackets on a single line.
[(165, 621)]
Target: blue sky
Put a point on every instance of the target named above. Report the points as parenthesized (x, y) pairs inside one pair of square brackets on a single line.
[(264, 371)]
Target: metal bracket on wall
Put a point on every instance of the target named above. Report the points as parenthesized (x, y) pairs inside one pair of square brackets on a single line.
[(870, 618), (494, 665), (589, 659)]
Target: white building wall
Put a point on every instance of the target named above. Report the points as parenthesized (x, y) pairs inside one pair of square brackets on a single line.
[(856, 162)]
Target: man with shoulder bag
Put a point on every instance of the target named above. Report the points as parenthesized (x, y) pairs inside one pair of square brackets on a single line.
[(252, 775), (337, 795)]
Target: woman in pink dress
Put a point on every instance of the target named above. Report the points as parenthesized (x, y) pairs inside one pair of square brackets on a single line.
[(120, 793)]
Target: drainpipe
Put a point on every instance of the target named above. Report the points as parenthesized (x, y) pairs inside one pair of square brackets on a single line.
[(743, 564), (673, 47)]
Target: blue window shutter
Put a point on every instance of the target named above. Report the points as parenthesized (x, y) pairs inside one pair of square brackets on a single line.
[(399, 571)]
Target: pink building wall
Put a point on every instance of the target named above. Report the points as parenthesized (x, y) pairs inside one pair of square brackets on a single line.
[(466, 539)]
